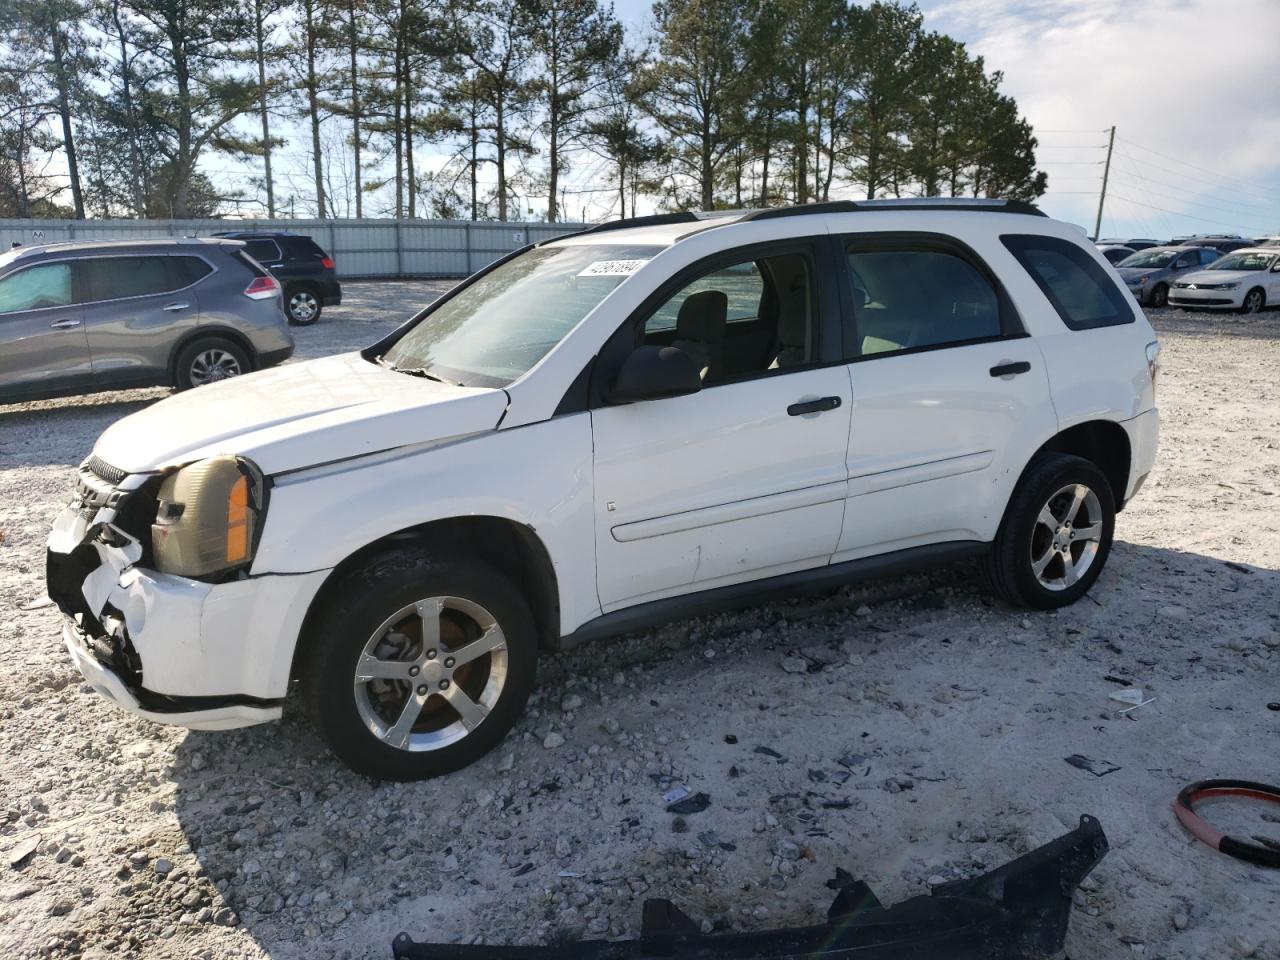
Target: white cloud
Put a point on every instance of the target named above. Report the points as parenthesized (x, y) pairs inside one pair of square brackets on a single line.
[(1196, 81)]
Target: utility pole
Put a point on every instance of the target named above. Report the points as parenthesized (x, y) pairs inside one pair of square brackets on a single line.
[(1106, 172)]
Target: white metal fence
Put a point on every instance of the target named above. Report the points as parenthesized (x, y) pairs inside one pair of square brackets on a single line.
[(361, 248)]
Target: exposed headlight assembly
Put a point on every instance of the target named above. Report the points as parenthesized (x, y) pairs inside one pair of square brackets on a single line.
[(208, 517)]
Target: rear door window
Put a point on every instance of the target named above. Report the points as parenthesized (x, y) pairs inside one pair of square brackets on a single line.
[(909, 297), (264, 251), (1081, 291), (120, 278)]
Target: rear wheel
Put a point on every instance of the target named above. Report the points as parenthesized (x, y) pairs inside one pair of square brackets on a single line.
[(1056, 533), (302, 306), (1254, 301), (418, 665), (209, 360)]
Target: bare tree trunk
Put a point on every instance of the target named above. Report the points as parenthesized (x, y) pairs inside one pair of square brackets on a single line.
[(408, 138), (475, 147), (261, 42), (64, 114), (313, 107), (500, 144), (141, 180), (184, 165), (352, 44), (397, 131)]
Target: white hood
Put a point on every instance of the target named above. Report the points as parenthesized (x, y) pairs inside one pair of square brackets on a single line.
[(299, 415), (1220, 276)]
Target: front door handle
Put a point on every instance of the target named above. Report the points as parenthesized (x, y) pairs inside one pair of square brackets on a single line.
[(174, 307), (1008, 368), (812, 406), (67, 324)]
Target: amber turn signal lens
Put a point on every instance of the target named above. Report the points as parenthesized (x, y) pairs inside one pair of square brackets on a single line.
[(238, 521)]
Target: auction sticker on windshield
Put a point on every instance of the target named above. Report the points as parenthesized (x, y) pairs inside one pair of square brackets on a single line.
[(612, 268)]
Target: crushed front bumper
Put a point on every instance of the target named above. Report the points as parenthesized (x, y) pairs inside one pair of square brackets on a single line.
[(1016, 912), (165, 647), (112, 685)]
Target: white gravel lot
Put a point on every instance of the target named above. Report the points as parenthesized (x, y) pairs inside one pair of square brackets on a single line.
[(925, 737)]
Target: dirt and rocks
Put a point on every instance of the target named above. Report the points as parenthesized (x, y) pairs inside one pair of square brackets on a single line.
[(911, 730)]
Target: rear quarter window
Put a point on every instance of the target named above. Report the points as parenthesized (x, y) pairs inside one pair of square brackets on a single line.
[(264, 251), (303, 247), (1081, 291)]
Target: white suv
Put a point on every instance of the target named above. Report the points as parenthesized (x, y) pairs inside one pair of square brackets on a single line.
[(644, 420)]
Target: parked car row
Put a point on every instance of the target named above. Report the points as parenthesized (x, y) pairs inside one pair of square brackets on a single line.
[(87, 316), (1206, 272)]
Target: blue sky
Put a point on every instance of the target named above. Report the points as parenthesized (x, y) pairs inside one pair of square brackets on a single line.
[(1192, 87)]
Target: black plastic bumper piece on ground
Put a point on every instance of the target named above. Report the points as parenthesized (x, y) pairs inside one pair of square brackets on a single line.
[(1015, 912)]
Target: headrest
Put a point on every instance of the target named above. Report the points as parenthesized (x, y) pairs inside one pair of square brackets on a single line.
[(793, 316), (702, 317)]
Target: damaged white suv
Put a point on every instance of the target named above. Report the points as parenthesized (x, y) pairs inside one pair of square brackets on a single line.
[(644, 420)]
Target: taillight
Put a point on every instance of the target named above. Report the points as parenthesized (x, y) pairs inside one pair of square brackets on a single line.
[(262, 288), (326, 262)]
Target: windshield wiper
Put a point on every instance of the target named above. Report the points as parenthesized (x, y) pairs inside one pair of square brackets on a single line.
[(416, 372)]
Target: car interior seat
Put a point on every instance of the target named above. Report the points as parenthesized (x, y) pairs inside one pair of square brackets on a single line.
[(700, 326)]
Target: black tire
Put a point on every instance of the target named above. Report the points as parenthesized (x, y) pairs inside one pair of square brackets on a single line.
[(1255, 301), (1159, 295), (1009, 566), (302, 305), (208, 359), (358, 608)]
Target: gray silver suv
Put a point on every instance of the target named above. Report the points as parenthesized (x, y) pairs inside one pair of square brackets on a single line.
[(109, 315)]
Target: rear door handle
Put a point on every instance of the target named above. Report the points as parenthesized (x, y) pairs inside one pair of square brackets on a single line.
[(1008, 368), (67, 324), (174, 307), (812, 406)]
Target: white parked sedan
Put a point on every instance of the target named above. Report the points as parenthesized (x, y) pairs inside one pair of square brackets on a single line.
[(641, 421), (1246, 280)]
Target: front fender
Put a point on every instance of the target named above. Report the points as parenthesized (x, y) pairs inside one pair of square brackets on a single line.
[(538, 475)]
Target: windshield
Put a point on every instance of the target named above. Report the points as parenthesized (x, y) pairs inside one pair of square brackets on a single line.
[(1244, 261), (493, 331), (1149, 258)]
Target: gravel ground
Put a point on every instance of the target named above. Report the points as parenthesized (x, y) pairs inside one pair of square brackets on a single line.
[(916, 730)]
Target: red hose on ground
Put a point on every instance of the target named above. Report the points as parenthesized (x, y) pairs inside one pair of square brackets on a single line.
[(1184, 809)]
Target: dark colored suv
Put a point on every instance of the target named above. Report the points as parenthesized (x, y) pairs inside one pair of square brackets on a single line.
[(304, 270)]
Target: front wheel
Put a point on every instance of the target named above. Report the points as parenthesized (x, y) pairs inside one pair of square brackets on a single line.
[(1056, 533), (1254, 301), (418, 665), (1160, 296)]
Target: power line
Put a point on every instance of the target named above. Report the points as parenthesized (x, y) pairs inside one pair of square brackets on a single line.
[(1218, 204), (1178, 213), (1213, 174)]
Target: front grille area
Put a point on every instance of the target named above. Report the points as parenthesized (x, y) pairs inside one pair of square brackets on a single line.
[(96, 487), (105, 471)]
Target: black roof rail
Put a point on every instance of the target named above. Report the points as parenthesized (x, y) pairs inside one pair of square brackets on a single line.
[(656, 220), (989, 205)]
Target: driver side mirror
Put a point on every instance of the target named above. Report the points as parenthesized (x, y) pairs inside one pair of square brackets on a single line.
[(652, 372)]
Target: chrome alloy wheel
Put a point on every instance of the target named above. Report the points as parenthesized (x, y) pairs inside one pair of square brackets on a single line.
[(1066, 536), (431, 673), (1253, 301), (303, 306), (212, 365)]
